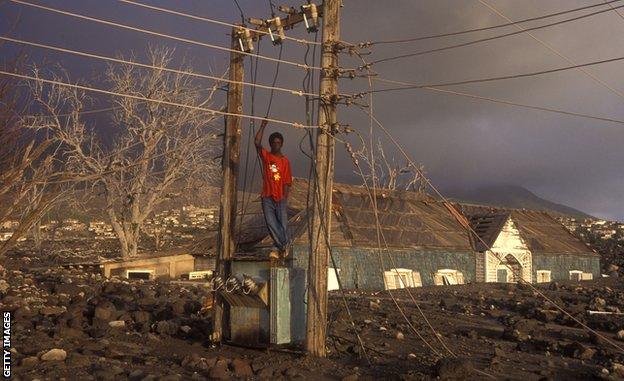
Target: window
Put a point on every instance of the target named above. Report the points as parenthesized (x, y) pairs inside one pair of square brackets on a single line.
[(205, 274), (332, 279), (543, 276), (576, 275), (140, 274), (447, 277), (401, 278), (587, 276)]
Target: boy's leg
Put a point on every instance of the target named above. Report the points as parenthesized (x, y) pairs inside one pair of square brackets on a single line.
[(282, 217), (269, 209)]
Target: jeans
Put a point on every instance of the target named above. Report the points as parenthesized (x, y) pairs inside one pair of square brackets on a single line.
[(276, 217)]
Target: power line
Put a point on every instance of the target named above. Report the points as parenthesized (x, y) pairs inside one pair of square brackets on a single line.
[(380, 235), (163, 35), (502, 101), (616, 11), (472, 232), (396, 41), (242, 14), (134, 63), (557, 52), (101, 91), (206, 19), (473, 42), (490, 79)]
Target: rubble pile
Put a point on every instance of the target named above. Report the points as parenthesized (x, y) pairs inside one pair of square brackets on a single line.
[(68, 323), (502, 329)]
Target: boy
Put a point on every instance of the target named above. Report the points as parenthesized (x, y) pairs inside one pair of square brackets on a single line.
[(276, 183)]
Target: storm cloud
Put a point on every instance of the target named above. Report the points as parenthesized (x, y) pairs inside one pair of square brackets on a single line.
[(463, 142)]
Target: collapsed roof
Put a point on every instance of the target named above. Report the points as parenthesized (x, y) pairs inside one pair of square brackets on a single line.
[(540, 231)]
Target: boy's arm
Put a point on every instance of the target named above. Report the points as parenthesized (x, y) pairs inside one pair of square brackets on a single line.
[(286, 190), (287, 179), (258, 138)]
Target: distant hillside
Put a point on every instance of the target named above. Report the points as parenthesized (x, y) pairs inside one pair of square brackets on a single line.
[(512, 196)]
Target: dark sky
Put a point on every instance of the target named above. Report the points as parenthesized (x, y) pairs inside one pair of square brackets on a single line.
[(462, 142)]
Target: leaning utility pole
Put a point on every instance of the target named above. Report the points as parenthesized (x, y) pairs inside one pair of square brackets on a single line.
[(230, 162), (324, 169)]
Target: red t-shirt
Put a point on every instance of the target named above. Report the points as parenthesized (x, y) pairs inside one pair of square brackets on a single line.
[(276, 175)]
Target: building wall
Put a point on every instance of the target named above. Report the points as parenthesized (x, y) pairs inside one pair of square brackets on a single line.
[(169, 266), (360, 267), (508, 242), (561, 264)]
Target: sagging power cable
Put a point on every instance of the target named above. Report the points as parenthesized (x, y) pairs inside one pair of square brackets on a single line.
[(457, 33), (158, 34), (502, 101), (489, 79), (102, 91), (477, 237), (147, 66), (217, 22), (556, 51), (473, 42)]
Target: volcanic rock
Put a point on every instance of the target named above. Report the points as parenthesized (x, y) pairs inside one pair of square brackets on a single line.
[(241, 368), (455, 369), (220, 370), (55, 354)]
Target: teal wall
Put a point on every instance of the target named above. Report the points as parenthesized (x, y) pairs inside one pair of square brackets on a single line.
[(561, 264), (360, 267)]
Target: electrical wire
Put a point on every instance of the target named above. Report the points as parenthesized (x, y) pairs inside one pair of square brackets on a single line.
[(242, 14), (253, 71), (200, 18), (277, 68), (147, 66), (473, 42), (404, 40), (502, 101), (272, 6), (491, 79), (616, 11), (197, 108), (557, 52), (476, 236), (158, 34), (380, 235)]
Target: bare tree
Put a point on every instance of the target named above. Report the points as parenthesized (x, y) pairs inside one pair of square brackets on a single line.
[(27, 165), (157, 150), (388, 173)]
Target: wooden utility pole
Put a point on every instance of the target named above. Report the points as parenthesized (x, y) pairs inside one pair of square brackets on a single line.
[(324, 167), (230, 163)]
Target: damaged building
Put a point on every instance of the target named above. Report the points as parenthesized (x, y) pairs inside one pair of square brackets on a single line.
[(423, 242), (528, 244)]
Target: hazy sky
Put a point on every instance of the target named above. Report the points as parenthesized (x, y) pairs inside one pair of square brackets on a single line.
[(463, 142)]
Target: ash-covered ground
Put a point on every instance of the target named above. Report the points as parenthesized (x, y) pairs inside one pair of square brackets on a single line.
[(73, 325)]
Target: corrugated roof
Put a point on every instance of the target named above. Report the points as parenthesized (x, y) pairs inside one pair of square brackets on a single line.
[(541, 232), (487, 227), (408, 219)]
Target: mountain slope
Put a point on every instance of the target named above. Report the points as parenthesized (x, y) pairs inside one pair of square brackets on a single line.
[(512, 196)]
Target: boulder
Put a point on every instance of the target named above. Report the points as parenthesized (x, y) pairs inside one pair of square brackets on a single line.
[(580, 351), (105, 311), (30, 361), (241, 368), (220, 371), (455, 369), (117, 324), (55, 354), (52, 310)]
